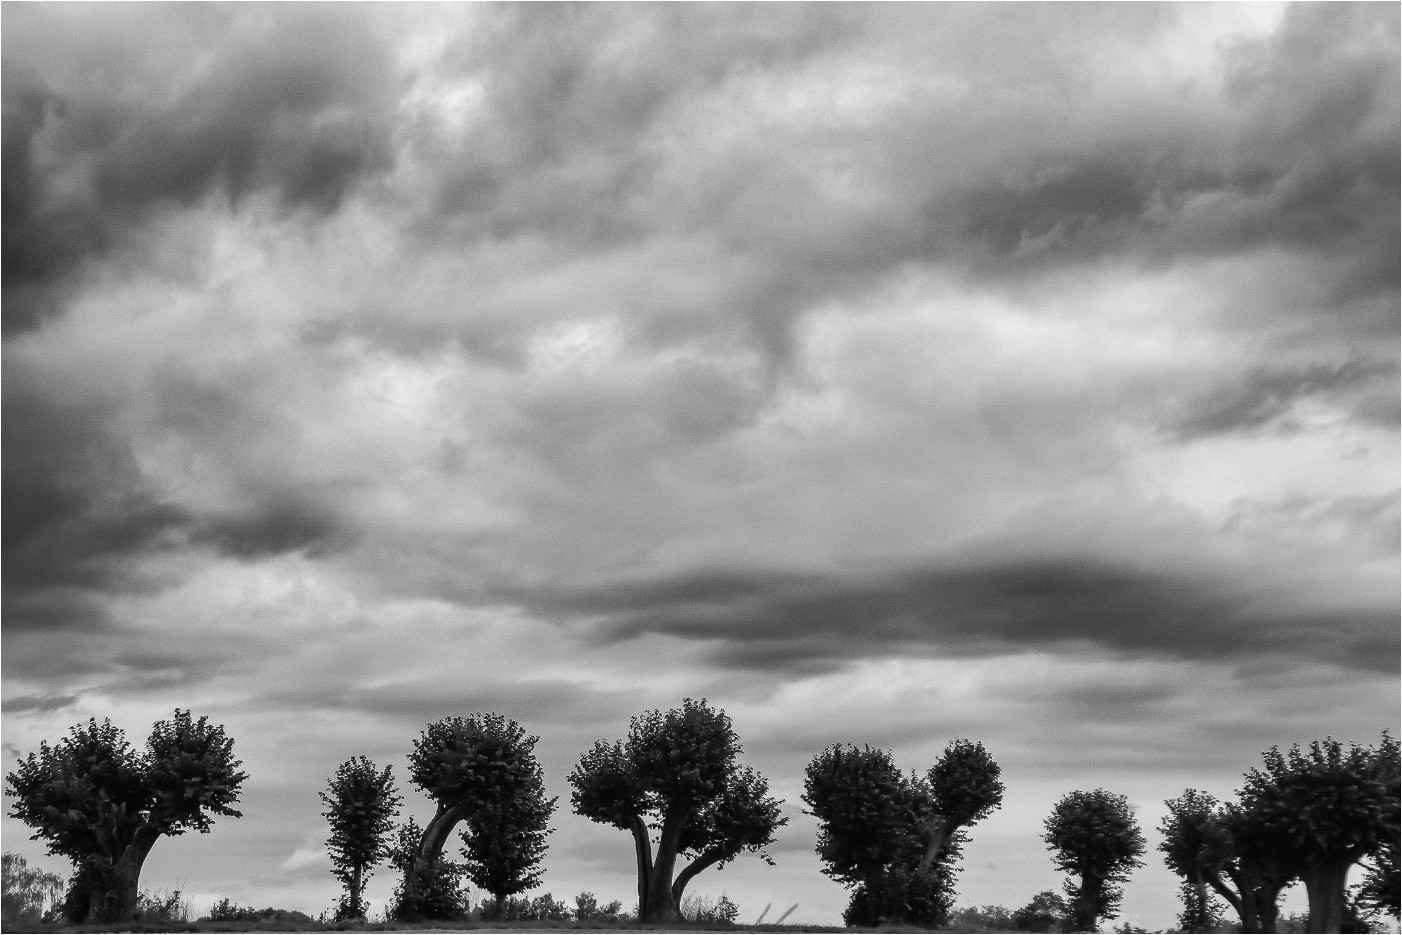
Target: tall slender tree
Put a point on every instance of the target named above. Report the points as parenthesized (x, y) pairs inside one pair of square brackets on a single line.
[(361, 805), (678, 769), (104, 805), (504, 845), (1095, 838)]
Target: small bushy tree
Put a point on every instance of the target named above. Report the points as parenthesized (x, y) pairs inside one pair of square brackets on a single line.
[(587, 909), (361, 805), (1095, 838), (1045, 912)]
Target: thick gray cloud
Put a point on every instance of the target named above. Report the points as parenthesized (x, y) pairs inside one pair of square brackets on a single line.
[(116, 119), (783, 621)]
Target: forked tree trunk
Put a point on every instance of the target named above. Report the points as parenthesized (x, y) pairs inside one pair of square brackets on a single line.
[(1326, 888), (656, 899)]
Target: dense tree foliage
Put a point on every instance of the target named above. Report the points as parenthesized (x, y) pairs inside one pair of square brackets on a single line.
[(1319, 811), (1380, 889), (503, 846), (1203, 842), (676, 774), (103, 805), (893, 838), (482, 769), (1095, 838), (361, 805)]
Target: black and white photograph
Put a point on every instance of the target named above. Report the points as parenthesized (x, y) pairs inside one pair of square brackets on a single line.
[(750, 466)]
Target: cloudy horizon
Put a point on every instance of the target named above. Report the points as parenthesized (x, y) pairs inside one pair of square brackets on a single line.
[(882, 373)]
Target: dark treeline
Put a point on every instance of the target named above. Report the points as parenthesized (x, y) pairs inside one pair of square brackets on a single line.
[(675, 785)]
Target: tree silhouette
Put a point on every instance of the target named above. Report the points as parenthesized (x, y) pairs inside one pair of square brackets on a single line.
[(891, 837), (483, 768), (1094, 837), (1319, 811), (361, 805), (503, 846), (1200, 844), (103, 805), (678, 769)]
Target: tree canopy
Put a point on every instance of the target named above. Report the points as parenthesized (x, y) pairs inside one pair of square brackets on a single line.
[(893, 837), (677, 774), (98, 802), (1095, 838)]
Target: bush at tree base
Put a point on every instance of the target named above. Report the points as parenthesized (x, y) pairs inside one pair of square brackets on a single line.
[(587, 909), (900, 893), (226, 910)]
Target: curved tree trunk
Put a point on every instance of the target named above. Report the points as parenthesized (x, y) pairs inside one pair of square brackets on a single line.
[(115, 899), (1326, 888), (689, 873), (436, 834), (1233, 899), (659, 905), (936, 836)]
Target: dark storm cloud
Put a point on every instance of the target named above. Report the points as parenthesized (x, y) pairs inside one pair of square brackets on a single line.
[(805, 623), (97, 131), (81, 517), (77, 511), (559, 701), (1266, 398), (44, 703), (281, 524)]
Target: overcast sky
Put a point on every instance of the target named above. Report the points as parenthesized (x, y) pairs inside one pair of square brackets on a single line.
[(883, 374)]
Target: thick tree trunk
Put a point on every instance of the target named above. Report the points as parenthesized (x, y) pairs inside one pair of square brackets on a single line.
[(1266, 908), (1326, 888), (659, 906), (1085, 908), (499, 905), (116, 896)]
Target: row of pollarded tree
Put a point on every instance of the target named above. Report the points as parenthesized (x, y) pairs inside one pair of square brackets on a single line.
[(676, 785)]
